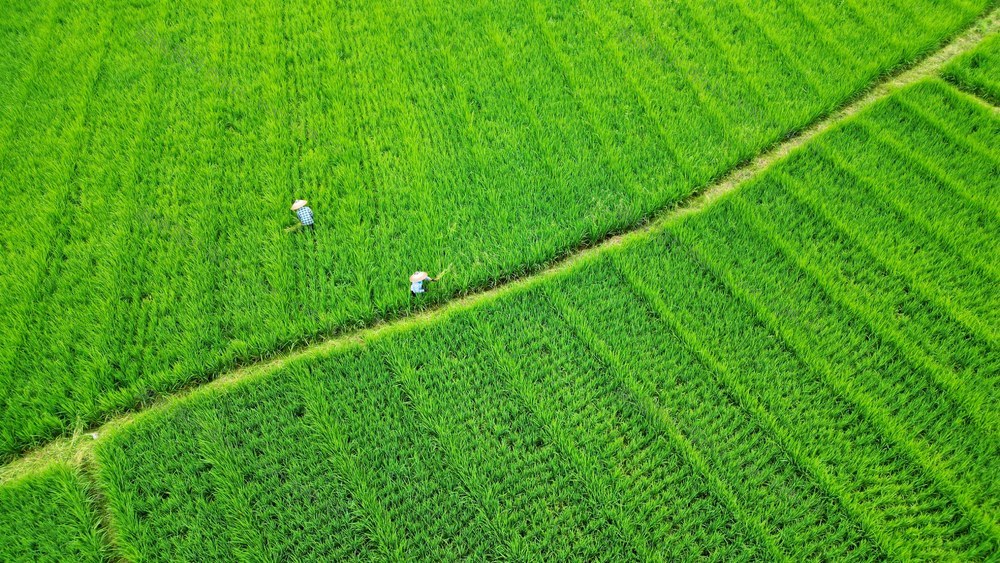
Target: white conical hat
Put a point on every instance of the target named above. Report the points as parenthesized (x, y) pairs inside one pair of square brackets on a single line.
[(418, 276), (299, 203)]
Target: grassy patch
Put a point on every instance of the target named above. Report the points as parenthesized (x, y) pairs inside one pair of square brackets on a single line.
[(48, 516)]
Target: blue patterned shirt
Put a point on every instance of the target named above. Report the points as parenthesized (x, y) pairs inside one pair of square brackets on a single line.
[(305, 215)]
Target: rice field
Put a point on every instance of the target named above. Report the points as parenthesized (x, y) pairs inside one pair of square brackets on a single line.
[(806, 369), (150, 151), (979, 70)]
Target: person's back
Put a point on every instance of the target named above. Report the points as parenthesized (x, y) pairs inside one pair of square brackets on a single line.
[(417, 287), (305, 216), (417, 282)]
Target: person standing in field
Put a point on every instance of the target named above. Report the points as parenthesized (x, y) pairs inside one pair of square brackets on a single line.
[(304, 213), (417, 282)]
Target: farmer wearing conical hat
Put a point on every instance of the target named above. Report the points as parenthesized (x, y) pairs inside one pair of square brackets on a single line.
[(417, 282), (303, 212), (418, 278)]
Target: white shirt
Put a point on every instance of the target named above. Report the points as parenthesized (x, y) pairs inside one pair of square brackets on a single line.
[(417, 286)]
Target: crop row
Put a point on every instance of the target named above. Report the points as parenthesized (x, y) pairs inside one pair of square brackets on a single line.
[(765, 379), (150, 152)]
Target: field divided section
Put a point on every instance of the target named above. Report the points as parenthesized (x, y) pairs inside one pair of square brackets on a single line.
[(977, 71), (150, 152), (762, 380)]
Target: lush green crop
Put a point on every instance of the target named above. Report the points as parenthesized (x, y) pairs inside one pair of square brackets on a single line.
[(805, 370), (48, 516), (978, 71), (149, 151)]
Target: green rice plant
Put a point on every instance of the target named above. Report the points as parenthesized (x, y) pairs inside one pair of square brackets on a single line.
[(972, 166), (844, 344), (584, 400), (812, 414), (49, 516), (726, 444), (933, 206), (150, 152), (977, 70)]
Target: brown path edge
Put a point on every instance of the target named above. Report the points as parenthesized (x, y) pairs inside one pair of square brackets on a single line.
[(77, 449)]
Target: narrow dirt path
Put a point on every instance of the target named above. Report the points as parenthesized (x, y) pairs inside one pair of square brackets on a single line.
[(77, 450)]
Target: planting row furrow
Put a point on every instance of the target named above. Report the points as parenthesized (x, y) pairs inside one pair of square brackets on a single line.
[(804, 398), (229, 490), (262, 482), (927, 267), (543, 502), (964, 113), (153, 219), (48, 204), (628, 134), (967, 231), (758, 413), (949, 134), (688, 35), (389, 465), (971, 196), (490, 514), (572, 146), (780, 81), (844, 351), (560, 425), (865, 36), (800, 245), (594, 408), (666, 97), (926, 334), (977, 71), (973, 170), (811, 47), (778, 502)]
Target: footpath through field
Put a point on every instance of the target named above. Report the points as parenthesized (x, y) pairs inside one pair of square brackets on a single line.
[(78, 448)]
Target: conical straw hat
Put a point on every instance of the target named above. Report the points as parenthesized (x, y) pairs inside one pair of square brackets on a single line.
[(299, 203), (418, 276)]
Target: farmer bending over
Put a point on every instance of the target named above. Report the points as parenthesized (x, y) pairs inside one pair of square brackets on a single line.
[(303, 212), (417, 282)]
